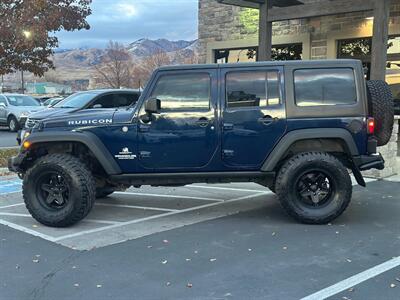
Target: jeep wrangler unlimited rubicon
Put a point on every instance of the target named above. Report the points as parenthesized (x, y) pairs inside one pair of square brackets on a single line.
[(296, 127)]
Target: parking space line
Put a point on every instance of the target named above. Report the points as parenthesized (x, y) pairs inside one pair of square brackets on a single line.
[(134, 206), (27, 230), (354, 280), (169, 196), (227, 188), (100, 221), (14, 214), (12, 205), (157, 216)]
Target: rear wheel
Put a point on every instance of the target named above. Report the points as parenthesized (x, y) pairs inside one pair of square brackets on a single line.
[(314, 188), (59, 190)]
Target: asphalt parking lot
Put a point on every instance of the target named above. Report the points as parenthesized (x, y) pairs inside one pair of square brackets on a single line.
[(7, 138), (202, 242)]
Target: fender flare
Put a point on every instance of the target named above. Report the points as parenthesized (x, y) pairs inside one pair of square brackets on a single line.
[(90, 140), (303, 134)]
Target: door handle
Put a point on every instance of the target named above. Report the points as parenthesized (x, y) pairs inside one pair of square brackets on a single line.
[(203, 122), (267, 120)]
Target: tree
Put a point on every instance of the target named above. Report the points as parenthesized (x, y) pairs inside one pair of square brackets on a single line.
[(143, 71), (115, 71), (26, 29)]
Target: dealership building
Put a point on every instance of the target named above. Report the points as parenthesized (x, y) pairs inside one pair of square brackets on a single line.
[(233, 31)]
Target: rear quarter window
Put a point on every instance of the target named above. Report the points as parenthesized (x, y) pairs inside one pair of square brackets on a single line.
[(330, 86)]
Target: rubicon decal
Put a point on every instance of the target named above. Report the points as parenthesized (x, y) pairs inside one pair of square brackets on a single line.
[(90, 122)]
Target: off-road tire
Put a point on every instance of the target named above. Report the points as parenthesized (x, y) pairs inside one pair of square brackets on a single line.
[(104, 192), (381, 107), (287, 188), (13, 120), (82, 190)]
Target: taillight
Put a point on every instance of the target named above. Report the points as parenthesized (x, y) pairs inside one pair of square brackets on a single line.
[(371, 125)]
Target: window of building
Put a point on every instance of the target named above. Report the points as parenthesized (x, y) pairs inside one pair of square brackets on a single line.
[(333, 86), (360, 48), (279, 52), (253, 89), (183, 92)]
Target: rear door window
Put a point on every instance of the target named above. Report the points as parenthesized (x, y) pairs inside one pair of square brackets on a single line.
[(330, 86), (252, 89)]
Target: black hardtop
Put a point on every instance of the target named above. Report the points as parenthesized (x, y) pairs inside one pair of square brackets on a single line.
[(291, 63)]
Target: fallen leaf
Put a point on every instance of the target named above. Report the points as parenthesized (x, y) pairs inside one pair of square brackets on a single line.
[(35, 261), (188, 259), (164, 262), (165, 241), (213, 259), (348, 260), (76, 284), (196, 252), (99, 286), (149, 247), (284, 248), (73, 267), (17, 267), (189, 285), (168, 283), (392, 285), (250, 249), (274, 233)]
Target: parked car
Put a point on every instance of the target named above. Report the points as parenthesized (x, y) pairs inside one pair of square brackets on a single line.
[(94, 99), (296, 127), (52, 101), (15, 108)]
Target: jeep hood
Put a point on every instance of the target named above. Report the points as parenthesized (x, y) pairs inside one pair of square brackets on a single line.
[(50, 112)]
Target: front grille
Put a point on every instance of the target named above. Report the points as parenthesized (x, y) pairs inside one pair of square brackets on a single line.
[(30, 123)]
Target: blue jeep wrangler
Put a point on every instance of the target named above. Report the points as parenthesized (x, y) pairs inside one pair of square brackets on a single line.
[(296, 127)]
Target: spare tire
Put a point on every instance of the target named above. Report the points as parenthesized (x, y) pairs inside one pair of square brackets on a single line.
[(380, 105)]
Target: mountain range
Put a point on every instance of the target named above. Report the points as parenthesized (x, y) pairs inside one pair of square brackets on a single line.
[(77, 64)]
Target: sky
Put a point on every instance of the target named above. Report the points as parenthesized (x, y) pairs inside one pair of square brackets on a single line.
[(128, 20)]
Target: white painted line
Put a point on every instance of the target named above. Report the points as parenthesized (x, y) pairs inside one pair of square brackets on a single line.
[(27, 230), (227, 188), (134, 206), (168, 196), (85, 220), (14, 214), (354, 280), (100, 221), (156, 217), (12, 205)]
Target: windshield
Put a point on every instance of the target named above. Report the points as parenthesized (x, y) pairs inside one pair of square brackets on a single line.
[(76, 100), (22, 101)]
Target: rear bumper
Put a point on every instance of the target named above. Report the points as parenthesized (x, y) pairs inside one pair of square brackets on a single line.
[(367, 162)]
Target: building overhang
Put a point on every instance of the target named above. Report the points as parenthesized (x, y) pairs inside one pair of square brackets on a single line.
[(256, 3)]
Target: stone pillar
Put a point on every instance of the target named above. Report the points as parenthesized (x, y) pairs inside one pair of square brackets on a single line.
[(265, 33), (380, 39)]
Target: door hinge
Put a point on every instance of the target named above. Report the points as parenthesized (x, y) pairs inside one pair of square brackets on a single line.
[(228, 153), (228, 126), (144, 154)]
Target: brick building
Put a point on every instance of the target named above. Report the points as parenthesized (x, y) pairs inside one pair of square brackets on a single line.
[(230, 33)]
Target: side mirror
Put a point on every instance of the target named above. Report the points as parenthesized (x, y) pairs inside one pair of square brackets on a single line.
[(152, 106), (2, 105)]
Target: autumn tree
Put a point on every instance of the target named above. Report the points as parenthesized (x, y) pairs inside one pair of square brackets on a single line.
[(27, 30), (143, 71), (115, 70)]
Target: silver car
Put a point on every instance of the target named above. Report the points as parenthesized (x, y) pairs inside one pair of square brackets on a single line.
[(15, 109)]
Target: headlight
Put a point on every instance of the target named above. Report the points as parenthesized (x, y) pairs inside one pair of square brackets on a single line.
[(24, 114)]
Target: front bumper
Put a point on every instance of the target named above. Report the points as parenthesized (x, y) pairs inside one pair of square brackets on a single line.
[(15, 163), (367, 162)]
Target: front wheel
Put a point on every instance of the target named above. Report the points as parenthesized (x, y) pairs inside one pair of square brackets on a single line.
[(59, 190), (314, 187), (13, 124)]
